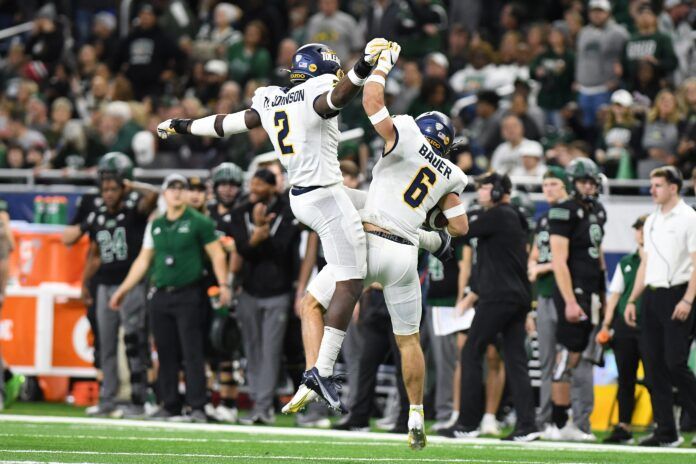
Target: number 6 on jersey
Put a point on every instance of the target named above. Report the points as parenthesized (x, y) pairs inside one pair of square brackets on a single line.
[(418, 190)]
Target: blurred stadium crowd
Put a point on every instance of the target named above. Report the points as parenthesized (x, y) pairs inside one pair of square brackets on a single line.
[(610, 82)]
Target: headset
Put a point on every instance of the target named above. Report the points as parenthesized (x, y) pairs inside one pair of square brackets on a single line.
[(501, 186)]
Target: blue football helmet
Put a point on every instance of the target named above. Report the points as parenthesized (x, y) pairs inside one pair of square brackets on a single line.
[(437, 129), (313, 60)]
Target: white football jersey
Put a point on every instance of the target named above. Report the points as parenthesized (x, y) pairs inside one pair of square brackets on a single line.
[(306, 143), (409, 181)]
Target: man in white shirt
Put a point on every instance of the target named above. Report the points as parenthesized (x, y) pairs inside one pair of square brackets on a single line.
[(668, 276), (507, 156)]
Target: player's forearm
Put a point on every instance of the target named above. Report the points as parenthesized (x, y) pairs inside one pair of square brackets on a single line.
[(373, 96), (91, 266), (217, 125), (220, 267), (612, 301), (639, 283), (4, 274), (349, 86), (136, 272), (563, 280)]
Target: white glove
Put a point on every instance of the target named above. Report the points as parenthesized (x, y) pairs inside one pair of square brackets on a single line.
[(387, 59), (373, 48), (164, 129)]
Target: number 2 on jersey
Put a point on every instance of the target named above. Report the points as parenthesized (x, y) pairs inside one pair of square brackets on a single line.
[(282, 124), (418, 190)]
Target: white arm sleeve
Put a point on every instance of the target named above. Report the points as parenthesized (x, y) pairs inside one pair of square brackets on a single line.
[(231, 124), (617, 284), (148, 242)]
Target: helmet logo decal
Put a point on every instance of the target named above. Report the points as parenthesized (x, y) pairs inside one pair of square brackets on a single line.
[(330, 56), (312, 67), (303, 64)]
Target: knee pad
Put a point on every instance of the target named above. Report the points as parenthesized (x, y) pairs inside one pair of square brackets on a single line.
[(562, 372)]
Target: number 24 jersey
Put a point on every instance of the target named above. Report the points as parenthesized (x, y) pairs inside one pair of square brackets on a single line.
[(408, 182)]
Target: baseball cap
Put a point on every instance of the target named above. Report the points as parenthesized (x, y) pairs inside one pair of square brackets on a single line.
[(217, 67), (673, 3), (172, 179), (622, 97), (196, 183), (531, 148), (600, 5), (640, 220)]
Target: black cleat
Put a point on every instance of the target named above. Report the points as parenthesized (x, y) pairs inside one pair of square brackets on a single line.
[(327, 388), (619, 436)]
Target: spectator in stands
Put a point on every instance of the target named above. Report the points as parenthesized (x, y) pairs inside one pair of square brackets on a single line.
[(146, 53), (477, 74), (436, 65), (519, 106), (381, 20), (248, 58), (554, 69), (600, 46), (45, 44), (624, 340), (531, 163), (674, 21), (434, 96), (216, 36), (104, 37), (117, 128), (620, 143), (265, 233), (336, 29), (23, 135), (661, 134), (457, 46), (687, 128), (485, 128), (410, 87), (14, 157), (174, 245), (648, 45), (507, 156), (422, 27), (286, 52)]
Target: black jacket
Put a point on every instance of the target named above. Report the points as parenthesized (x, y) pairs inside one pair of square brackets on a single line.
[(270, 268), (501, 233)]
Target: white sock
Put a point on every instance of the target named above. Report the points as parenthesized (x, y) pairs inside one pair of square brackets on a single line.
[(415, 415), (328, 351), (429, 241), (489, 416)]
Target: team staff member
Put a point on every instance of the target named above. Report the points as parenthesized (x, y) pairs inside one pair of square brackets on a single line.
[(116, 230), (540, 270), (667, 280), (6, 246), (625, 340), (576, 227), (174, 245), (266, 235), (504, 300)]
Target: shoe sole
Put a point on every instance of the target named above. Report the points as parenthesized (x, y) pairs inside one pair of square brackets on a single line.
[(416, 439), (527, 438), (319, 389), (294, 407)]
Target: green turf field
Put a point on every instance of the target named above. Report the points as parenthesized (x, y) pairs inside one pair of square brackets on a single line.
[(57, 437)]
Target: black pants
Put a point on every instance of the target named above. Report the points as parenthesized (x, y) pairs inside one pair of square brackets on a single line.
[(177, 320), (378, 340), (492, 319), (628, 355), (666, 344)]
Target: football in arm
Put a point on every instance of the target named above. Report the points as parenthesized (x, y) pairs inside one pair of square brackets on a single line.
[(435, 219)]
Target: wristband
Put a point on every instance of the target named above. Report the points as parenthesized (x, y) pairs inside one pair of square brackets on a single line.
[(687, 302), (224, 285), (355, 79), (455, 211), (362, 69), (377, 79), (181, 126), (379, 116), (330, 103)]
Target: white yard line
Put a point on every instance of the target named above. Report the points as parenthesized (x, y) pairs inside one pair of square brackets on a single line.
[(335, 434), (276, 458)]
